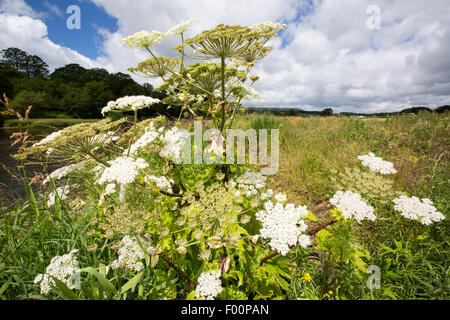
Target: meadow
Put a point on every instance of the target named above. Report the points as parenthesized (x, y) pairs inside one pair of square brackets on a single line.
[(318, 156)]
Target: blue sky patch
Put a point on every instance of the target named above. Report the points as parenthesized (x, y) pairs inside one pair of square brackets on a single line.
[(86, 40)]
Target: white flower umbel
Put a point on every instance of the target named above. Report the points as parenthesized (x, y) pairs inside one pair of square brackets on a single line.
[(150, 135), (352, 206), (283, 225), (376, 164), (216, 144), (63, 268), (144, 39), (61, 192), (174, 141), (48, 138), (129, 103), (268, 26), (209, 285), (161, 182), (131, 254), (110, 189), (123, 170), (180, 28), (63, 172), (414, 209), (249, 183)]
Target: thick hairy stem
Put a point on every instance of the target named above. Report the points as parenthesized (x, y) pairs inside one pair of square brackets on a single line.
[(222, 125), (253, 288), (181, 273)]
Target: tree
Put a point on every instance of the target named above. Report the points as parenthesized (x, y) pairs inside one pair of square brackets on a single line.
[(32, 65), (40, 101), (8, 75), (326, 112), (15, 57)]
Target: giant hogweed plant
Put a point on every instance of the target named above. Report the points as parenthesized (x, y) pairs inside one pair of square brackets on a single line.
[(177, 230)]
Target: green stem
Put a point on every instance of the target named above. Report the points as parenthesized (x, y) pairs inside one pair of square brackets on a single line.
[(134, 132), (175, 73)]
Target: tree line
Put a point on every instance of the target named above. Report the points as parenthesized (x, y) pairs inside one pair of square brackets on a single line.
[(68, 92)]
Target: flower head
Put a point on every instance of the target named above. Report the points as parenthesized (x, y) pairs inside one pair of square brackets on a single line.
[(123, 170), (282, 225), (61, 268), (180, 28), (376, 164), (144, 39), (414, 209), (130, 103), (209, 285), (352, 206)]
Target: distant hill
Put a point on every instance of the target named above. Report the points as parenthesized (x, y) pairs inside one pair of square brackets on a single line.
[(329, 111)]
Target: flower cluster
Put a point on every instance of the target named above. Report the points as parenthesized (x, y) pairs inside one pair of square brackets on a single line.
[(144, 39), (414, 209), (129, 103), (377, 164), (48, 138), (248, 183), (180, 28), (63, 172), (209, 285), (161, 182), (62, 192), (268, 26), (282, 224), (62, 268), (130, 254), (352, 206), (150, 135), (174, 140), (123, 170)]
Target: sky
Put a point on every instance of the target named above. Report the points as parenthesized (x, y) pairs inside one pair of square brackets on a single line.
[(351, 55)]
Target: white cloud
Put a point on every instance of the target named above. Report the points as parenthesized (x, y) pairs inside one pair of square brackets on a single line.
[(328, 58), (18, 7), (30, 35)]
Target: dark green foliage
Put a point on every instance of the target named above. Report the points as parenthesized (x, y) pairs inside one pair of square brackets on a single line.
[(72, 91)]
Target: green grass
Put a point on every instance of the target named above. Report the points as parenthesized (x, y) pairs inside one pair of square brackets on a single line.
[(414, 259), (51, 122)]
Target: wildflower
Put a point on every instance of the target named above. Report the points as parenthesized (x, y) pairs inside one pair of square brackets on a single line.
[(376, 164), (129, 103), (280, 197), (352, 206), (63, 172), (414, 209), (306, 277), (130, 254), (61, 192), (48, 138), (180, 28), (123, 170), (161, 182), (143, 39), (266, 195), (216, 144), (62, 268), (282, 225), (249, 182), (148, 137), (174, 140), (209, 285)]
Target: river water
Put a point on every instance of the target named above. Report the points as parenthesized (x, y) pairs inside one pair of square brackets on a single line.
[(10, 187)]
